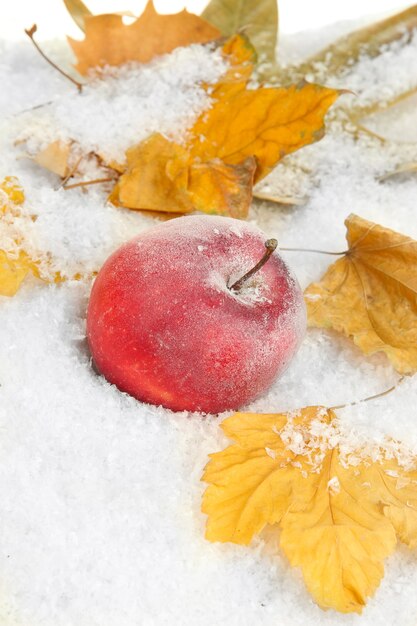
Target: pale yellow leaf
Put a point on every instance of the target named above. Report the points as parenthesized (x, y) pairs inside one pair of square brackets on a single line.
[(54, 158), (248, 487), (370, 294), (337, 537)]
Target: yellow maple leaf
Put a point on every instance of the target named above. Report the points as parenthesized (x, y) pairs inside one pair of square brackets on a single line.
[(370, 294), (339, 522), (108, 41)]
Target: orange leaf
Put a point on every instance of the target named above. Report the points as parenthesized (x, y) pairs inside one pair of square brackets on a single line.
[(161, 176), (266, 123), (156, 177), (241, 56), (232, 145), (108, 41), (216, 187)]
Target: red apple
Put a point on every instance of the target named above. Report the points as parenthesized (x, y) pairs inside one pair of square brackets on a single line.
[(167, 325)]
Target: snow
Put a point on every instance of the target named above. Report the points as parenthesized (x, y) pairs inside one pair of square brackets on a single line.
[(133, 101), (99, 494)]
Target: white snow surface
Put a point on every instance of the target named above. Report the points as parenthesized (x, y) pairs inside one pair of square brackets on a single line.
[(100, 520)]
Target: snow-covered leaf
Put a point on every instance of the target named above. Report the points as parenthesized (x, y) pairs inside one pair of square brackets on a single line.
[(108, 41), (338, 521)]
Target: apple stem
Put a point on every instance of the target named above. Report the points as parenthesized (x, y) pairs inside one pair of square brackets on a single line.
[(30, 33), (270, 245)]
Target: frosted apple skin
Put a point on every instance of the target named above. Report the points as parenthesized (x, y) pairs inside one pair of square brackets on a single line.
[(164, 327)]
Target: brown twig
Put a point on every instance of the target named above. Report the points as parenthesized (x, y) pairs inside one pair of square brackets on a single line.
[(96, 181), (30, 33), (71, 172)]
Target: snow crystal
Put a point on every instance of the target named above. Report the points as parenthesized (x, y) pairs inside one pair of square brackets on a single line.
[(333, 485), (99, 494)]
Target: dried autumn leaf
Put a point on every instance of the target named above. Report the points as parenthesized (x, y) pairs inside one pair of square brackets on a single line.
[(241, 57), (108, 41), (14, 267), (156, 177), (216, 187), (161, 176), (404, 168), (11, 194), (338, 521), (78, 12), (258, 18), (13, 271), (369, 40), (232, 145), (370, 294), (55, 158), (266, 123)]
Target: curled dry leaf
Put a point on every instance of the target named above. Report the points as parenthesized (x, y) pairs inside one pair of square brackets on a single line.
[(338, 521), (370, 40), (235, 143), (108, 41), (78, 12), (55, 158), (404, 168), (370, 294)]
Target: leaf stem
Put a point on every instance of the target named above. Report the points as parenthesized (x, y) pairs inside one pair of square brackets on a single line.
[(89, 182), (30, 33), (270, 245), (286, 200), (312, 250), (374, 397)]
